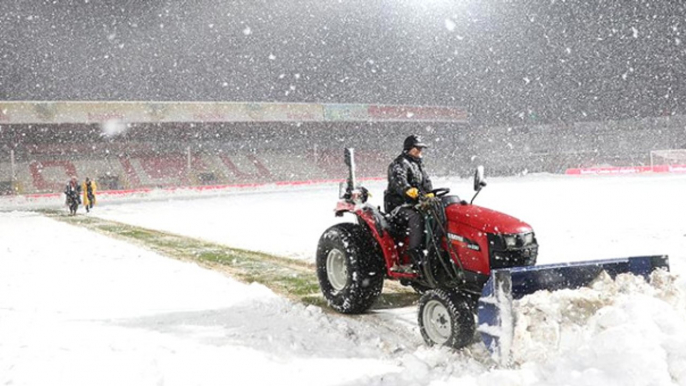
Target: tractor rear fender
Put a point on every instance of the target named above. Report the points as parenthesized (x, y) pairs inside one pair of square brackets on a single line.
[(369, 219), (381, 233)]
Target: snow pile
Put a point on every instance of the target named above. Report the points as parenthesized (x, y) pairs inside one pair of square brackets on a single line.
[(622, 331), (615, 332)]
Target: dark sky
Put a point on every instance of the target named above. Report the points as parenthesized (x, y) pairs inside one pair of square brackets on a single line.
[(505, 61)]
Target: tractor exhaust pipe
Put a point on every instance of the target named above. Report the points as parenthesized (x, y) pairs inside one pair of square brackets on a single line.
[(350, 163)]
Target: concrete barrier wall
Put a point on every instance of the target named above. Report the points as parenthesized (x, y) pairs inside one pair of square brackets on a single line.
[(169, 170)]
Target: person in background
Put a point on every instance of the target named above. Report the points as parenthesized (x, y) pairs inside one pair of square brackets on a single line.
[(89, 189), (73, 193)]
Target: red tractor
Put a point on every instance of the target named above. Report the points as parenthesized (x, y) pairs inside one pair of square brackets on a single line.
[(478, 261), (464, 242)]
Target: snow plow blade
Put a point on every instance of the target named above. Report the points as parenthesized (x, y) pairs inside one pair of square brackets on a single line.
[(495, 314)]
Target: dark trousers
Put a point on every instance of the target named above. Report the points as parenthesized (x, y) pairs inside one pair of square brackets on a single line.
[(413, 223)]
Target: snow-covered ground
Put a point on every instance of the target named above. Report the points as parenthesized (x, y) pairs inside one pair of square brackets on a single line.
[(79, 308), (575, 218)]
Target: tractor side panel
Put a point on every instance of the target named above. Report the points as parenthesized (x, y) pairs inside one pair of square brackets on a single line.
[(471, 246)]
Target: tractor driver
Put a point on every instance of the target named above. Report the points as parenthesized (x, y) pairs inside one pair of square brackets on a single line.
[(407, 181)]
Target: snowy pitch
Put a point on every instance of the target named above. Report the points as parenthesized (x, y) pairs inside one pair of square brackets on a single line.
[(78, 308)]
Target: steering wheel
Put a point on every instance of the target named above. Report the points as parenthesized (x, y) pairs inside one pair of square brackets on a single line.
[(440, 192)]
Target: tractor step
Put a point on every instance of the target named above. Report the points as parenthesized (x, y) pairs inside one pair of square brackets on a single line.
[(407, 268)]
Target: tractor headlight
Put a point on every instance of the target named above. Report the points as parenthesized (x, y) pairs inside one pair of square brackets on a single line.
[(510, 241), (513, 241)]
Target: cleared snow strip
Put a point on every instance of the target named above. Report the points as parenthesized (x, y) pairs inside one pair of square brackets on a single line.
[(287, 222)]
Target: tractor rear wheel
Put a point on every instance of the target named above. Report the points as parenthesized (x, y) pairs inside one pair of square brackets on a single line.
[(446, 319), (350, 268)]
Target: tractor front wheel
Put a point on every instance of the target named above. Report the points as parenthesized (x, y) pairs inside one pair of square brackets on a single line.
[(446, 319)]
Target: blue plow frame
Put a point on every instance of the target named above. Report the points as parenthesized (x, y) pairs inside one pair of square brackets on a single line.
[(495, 314)]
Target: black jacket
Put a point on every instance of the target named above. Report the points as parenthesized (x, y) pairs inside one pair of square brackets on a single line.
[(405, 172), (72, 191)]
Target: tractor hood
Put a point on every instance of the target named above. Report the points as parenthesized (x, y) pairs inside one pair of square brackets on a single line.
[(485, 220)]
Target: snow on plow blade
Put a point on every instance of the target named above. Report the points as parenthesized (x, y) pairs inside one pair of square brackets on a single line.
[(495, 314)]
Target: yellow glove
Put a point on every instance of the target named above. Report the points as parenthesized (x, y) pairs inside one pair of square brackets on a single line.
[(412, 193), (429, 195)]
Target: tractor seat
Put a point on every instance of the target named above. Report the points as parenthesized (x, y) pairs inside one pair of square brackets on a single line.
[(383, 221)]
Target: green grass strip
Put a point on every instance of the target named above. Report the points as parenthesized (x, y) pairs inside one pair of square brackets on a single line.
[(294, 279)]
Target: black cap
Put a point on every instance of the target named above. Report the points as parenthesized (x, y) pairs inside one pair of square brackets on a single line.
[(413, 141)]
